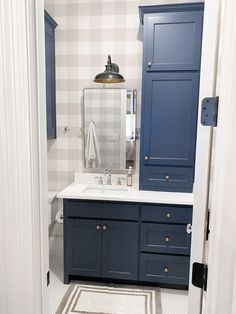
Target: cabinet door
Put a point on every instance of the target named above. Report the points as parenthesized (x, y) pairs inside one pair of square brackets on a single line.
[(50, 76), (172, 41), (82, 247), (120, 250), (169, 119)]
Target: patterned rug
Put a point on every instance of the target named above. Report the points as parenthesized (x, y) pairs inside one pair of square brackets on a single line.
[(110, 299)]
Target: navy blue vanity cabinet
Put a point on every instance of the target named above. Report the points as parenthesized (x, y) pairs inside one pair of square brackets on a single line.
[(170, 88), (50, 26), (128, 242), (101, 240)]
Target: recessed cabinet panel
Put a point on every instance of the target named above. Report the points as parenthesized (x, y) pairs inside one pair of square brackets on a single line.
[(83, 247), (164, 269), (159, 238), (120, 250), (169, 124), (173, 40)]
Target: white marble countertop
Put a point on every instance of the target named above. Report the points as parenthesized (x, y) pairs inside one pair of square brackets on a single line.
[(126, 194)]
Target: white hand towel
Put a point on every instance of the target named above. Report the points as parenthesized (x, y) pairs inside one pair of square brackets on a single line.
[(92, 154)]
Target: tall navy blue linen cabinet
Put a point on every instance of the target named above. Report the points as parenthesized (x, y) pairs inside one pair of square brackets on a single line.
[(170, 87)]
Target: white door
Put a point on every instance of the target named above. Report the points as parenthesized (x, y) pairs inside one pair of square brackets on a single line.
[(221, 294)]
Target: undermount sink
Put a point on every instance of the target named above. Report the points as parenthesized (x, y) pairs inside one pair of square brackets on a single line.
[(107, 190)]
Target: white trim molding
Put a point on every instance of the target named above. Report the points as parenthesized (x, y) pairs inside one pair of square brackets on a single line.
[(209, 61), (221, 293), (22, 262)]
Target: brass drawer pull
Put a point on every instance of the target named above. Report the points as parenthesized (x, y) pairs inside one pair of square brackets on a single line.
[(166, 270)]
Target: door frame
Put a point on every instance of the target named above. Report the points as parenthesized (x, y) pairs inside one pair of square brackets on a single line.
[(204, 136), (221, 291), (23, 166), (209, 62)]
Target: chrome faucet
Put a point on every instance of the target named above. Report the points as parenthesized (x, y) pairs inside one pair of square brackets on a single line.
[(108, 173)]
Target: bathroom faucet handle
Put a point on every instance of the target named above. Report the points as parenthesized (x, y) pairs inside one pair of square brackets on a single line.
[(119, 179), (100, 182)]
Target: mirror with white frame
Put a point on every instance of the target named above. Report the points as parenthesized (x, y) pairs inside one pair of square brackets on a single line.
[(109, 128)]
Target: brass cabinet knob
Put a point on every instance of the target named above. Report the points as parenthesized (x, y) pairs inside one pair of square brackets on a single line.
[(167, 177), (168, 215), (167, 238), (149, 64), (166, 270), (104, 227), (98, 227), (146, 157)]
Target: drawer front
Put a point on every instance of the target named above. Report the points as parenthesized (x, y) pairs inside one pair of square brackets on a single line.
[(100, 210), (177, 179), (161, 238), (164, 269), (167, 214)]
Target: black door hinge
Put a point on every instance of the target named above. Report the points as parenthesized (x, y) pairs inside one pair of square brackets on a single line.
[(48, 278), (208, 225), (199, 275), (209, 112)]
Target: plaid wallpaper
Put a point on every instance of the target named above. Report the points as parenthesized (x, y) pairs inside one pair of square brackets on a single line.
[(89, 30)]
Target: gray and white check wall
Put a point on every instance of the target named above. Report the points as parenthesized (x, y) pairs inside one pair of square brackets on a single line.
[(89, 30)]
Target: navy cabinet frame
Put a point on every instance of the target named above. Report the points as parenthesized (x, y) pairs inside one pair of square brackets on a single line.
[(50, 26)]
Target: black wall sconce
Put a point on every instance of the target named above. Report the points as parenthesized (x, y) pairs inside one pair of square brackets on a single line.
[(110, 75)]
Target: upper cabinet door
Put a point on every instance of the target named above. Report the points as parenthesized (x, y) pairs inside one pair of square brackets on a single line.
[(169, 118), (172, 41)]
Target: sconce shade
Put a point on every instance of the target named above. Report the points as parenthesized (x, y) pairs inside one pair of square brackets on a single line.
[(110, 75)]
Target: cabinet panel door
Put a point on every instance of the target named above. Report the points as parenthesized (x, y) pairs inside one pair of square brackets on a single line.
[(169, 119), (50, 77), (120, 250), (82, 247), (164, 269), (163, 238), (172, 41)]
